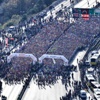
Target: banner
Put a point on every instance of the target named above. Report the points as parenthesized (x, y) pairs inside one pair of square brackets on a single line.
[(85, 14), (84, 11)]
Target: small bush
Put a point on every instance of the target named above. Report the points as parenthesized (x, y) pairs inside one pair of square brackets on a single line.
[(7, 24)]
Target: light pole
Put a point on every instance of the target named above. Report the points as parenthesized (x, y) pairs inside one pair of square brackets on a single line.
[(88, 2), (96, 1)]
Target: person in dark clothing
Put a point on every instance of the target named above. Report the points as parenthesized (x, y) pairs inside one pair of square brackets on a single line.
[(60, 98), (72, 76), (69, 95), (0, 85)]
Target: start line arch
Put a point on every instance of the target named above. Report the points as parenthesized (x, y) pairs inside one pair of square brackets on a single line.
[(53, 57), (21, 55)]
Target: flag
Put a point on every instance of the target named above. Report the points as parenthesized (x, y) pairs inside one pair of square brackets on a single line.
[(85, 14)]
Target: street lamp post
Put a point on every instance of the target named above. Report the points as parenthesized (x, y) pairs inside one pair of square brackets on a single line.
[(88, 2)]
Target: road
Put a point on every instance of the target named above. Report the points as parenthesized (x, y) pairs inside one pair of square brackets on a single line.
[(86, 4), (77, 76), (11, 91), (57, 8), (56, 91), (49, 93), (75, 62)]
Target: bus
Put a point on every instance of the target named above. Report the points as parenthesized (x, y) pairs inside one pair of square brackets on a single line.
[(95, 59)]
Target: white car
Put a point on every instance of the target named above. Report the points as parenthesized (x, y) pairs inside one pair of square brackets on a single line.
[(97, 94), (84, 95), (95, 85), (89, 97), (94, 52), (90, 71), (89, 78)]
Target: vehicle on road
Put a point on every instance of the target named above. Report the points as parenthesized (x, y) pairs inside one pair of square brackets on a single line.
[(94, 86), (90, 71), (83, 95), (95, 59), (97, 94), (89, 78)]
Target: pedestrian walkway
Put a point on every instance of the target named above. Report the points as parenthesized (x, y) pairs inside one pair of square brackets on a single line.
[(86, 4), (11, 91), (53, 92), (75, 75), (57, 8), (75, 62)]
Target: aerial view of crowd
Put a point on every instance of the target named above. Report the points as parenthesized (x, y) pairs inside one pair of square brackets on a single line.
[(49, 75), (79, 34), (39, 44), (53, 37)]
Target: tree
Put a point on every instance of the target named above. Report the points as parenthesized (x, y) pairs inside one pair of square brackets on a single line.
[(1, 1), (24, 18)]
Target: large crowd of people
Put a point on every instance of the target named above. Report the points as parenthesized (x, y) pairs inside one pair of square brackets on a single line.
[(41, 43), (79, 34), (49, 75), (21, 67), (49, 36)]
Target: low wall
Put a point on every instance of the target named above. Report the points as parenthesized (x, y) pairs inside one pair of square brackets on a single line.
[(75, 53)]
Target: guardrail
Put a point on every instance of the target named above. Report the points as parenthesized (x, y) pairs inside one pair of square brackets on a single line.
[(75, 53), (93, 42)]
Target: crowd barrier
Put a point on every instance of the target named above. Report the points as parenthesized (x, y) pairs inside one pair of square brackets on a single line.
[(93, 43), (75, 53)]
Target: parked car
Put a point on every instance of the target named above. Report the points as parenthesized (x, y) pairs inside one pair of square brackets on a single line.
[(90, 71), (97, 94), (83, 95), (95, 85)]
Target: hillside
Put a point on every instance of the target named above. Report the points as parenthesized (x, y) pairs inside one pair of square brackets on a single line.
[(12, 11)]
